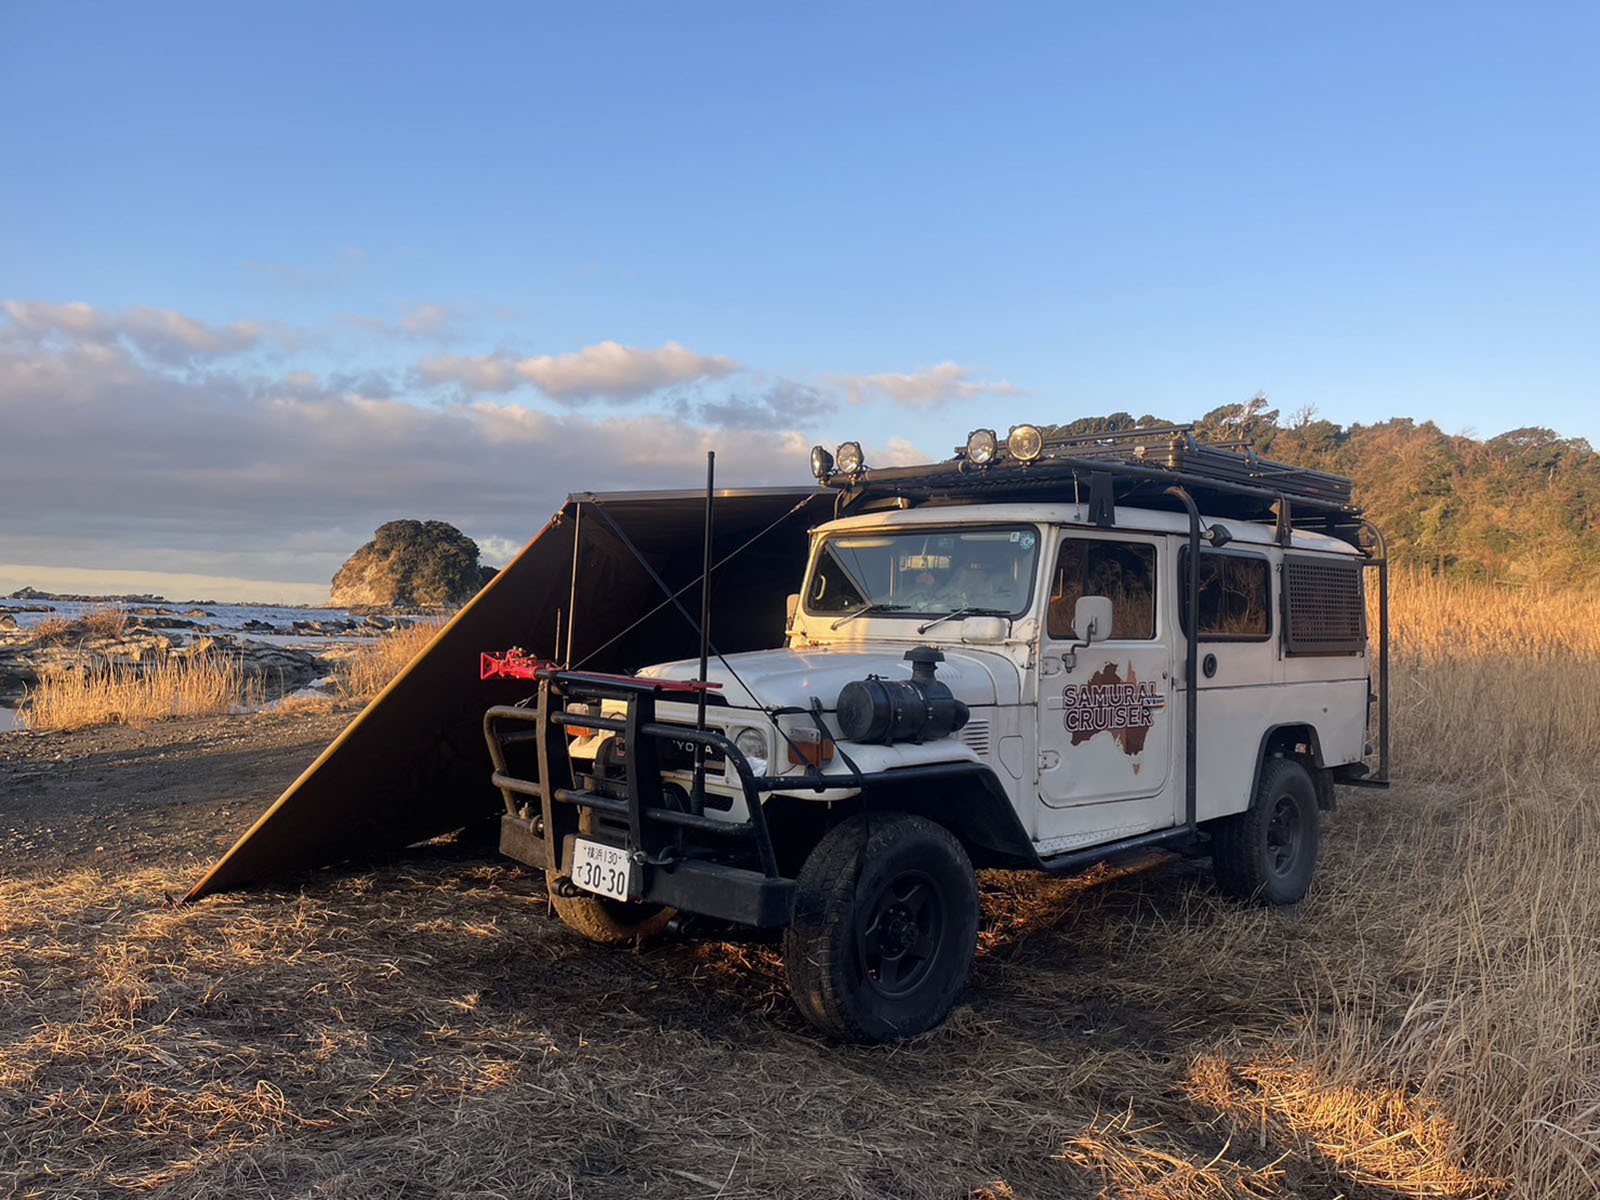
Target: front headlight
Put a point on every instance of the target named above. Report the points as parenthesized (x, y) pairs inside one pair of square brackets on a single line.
[(752, 743)]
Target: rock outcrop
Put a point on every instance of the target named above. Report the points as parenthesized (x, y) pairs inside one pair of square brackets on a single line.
[(410, 563)]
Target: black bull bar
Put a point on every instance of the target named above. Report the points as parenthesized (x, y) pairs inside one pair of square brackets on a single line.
[(680, 856)]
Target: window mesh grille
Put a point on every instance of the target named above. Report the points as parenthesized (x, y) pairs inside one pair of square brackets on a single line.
[(1325, 609)]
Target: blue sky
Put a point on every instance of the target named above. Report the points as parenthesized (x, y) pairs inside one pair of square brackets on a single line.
[(331, 264)]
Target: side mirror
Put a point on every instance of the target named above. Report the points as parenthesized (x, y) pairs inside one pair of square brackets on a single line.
[(791, 606), (1091, 619)]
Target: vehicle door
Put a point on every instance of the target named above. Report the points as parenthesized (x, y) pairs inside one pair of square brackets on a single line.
[(1105, 710)]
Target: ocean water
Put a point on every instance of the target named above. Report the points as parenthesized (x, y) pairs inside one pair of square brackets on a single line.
[(216, 618)]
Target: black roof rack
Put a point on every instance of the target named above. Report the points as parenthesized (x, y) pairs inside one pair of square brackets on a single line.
[(1227, 479)]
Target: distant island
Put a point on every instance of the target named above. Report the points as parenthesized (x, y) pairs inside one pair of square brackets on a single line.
[(411, 564), (32, 593)]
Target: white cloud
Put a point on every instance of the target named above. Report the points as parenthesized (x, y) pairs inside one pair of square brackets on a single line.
[(495, 551), (427, 319), (128, 465), (925, 387), (419, 321), (606, 370), (160, 333), (901, 453)]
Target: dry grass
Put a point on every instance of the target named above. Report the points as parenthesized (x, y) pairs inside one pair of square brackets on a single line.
[(96, 623), (304, 704), (368, 671), (1134, 1170), (1425, 1024), (139, 693), (51, 629)]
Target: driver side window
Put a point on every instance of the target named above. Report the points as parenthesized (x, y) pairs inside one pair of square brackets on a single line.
[(1123, 571)]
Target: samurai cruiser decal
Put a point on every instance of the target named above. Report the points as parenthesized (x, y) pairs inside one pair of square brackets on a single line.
[(1124, 708)]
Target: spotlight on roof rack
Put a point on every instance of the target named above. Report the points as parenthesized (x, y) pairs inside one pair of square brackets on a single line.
[(1024, 442), (848, 457), (821, 463), (981, 447)]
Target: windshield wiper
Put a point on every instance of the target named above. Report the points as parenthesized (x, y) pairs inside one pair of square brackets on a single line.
[(875, 606), (963, 612)]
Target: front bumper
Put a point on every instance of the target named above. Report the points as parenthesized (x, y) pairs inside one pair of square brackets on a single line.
[(682, 856), (708, 888)]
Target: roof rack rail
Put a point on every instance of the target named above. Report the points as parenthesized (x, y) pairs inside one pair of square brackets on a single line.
[(1126, 466)]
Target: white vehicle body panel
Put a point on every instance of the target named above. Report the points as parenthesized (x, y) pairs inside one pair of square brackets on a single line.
[(1087, 742)]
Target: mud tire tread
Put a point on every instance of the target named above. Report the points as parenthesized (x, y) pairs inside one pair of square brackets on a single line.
[(1238, 842)]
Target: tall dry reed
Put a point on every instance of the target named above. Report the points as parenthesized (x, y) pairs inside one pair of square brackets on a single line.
[(136, 694), (96, 623), (368, 671), (1495, 1016)]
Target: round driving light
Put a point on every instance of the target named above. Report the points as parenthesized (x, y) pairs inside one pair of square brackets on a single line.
[(821, 462), (1025, 442), (849, 457), (981, 446), (752, 743)]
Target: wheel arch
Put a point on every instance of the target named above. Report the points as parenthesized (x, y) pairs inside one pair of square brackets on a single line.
[(1297, 740), (965, 797), (971, 802)]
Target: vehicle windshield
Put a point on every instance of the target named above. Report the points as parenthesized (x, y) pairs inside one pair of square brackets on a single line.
[(925, 572)]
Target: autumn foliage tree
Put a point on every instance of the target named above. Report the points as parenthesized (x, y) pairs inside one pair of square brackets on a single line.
[(1522, 507)]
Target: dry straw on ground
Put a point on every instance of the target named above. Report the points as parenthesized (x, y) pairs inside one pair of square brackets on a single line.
[(1422, 1026)]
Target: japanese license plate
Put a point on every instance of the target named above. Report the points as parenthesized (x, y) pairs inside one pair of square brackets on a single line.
[(603, 870)]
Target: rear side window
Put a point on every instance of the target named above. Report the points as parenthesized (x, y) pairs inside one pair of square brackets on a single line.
[(1325, 607), (1123, 571), (1235, 597)]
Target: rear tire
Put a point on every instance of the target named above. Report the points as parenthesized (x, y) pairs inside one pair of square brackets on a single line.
[(1268, 853), (885, 927)]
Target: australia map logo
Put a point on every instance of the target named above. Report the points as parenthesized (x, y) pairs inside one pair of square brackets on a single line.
[(1108, 703)]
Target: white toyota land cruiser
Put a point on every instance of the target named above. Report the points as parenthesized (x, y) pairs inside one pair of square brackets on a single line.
[(1007, 660)]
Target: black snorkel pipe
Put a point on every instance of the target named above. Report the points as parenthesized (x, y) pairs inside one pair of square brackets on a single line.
[(1191, 665)]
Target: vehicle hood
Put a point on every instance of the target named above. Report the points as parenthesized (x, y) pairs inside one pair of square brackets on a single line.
[(792, 677)]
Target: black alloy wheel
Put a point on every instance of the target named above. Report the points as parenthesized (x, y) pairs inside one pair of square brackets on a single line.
[(1284, 836), (903, 933)]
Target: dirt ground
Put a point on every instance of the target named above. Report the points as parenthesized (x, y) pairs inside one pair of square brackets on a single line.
[(424, 1027)]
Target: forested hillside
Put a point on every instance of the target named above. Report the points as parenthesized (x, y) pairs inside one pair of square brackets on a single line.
[(1522, 507)]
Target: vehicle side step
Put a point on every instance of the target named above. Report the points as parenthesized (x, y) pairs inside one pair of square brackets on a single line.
[(1077, 860)]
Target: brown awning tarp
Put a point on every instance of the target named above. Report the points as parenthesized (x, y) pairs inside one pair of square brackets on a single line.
[(413, 764)]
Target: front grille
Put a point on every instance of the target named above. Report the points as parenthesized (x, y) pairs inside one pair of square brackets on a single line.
[(976, 735), (1325, 609)]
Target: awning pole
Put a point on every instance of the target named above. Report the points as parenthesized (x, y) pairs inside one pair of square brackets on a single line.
[(572, 603), (699, 797)]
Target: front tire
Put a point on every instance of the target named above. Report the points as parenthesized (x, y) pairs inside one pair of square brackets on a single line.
[(1268, 853), (606, 921), (885, 927)]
